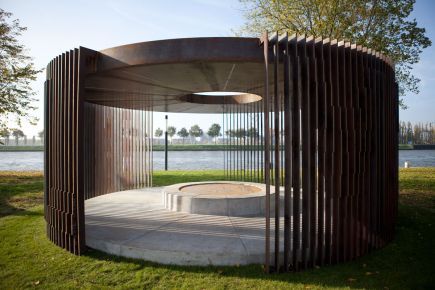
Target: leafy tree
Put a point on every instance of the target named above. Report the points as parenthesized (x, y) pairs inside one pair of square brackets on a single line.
[(230, 133), (158, 133), (214, 131), (17, 72), (240, 133), (41, 134), (4, 133), (17, 133), (183, 133), (252, 133), (171, 132), (195, 131), (383, 25)]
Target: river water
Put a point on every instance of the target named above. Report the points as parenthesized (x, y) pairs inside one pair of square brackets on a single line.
[(189, 160)]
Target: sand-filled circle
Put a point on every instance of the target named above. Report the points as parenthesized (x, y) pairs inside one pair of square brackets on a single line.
[(221, 189), (230, 198)]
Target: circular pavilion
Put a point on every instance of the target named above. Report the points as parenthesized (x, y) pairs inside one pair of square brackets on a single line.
[(322, 148)]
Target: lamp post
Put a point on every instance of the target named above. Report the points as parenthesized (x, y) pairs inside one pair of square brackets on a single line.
[(166, 144)]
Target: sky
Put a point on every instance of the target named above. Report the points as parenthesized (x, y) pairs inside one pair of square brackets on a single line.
[(56, 26)]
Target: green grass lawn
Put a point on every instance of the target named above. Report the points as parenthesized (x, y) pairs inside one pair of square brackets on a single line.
[(28, 259)]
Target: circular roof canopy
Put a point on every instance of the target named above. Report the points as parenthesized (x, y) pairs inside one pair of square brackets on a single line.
[(170, 75)]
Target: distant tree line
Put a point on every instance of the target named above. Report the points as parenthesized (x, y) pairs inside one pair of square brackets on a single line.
[(195, 131), (213, 132), (16, 134), (419, 133)]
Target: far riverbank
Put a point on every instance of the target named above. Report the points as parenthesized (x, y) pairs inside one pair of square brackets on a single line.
[(201, 147)]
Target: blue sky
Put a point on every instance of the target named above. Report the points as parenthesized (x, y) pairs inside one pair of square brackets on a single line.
[(57, 26)]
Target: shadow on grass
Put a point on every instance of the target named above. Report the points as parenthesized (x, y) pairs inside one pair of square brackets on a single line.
[(20, 191)]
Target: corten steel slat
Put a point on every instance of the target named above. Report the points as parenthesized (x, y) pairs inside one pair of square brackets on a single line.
[(380, 152), (328, 149), (362, 61), (305, 127), (353, 149), (276, 112), (54, 151), (336, 171), (384, 137), (240, 148), (362, 102), (250, 138), (66, 98), (375, 146), (63, 147), (356, 149), (237, 139), (320, 123), (266, 150), (342, 197), (48, 148), (224, 140), (235, 156), (364, 146), (57, 150), (287, 150), (47, 172), (251, 142), (245, 111), (369, 156), (347, 143), (230, 142), (373, 178), (376, 193), (295, 108), (312, 149), (234, 143)]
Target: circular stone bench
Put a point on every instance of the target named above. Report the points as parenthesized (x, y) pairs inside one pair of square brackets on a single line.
[(226, 198)]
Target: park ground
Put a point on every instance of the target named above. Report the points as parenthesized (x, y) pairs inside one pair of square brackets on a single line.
[(29, 260)]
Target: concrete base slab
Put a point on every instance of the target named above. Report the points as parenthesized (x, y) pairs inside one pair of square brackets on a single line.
[(135, 224)]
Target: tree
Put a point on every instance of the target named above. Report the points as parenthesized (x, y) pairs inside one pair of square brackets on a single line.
[(171, 132), (158, 133), (383, 25), (17, 72), (17, 133), (41, 134), (252, 133), (230, 133), (4, 133), (240, 133), (183, 133), (195, 131), (214, 131)]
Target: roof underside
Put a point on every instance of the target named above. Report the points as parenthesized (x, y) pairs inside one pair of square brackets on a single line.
[(162, 74)]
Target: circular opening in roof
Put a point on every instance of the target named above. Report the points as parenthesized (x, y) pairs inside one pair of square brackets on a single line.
[(220, 97)]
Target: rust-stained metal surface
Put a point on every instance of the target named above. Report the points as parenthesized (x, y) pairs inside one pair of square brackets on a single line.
[(340, 111), (317, 117)]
